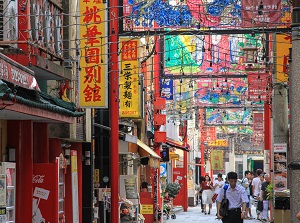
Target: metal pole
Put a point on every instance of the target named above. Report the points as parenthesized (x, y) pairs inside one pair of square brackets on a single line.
[(114, 110), (294, 91)]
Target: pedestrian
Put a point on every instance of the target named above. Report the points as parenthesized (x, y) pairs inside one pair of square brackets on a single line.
[(218, 184), (237, 198), (264, 198), (202, 179), (246, 184), (256, 187), (207, 193)]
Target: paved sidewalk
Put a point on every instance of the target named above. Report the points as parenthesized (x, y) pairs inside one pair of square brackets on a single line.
[(194, 215)]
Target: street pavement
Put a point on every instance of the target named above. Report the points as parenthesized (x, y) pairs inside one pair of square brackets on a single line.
[(194, 215)]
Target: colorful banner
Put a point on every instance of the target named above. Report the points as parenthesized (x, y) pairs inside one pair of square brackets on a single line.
[(283, 44), (258, 13), (167, 90), (216, 158), (93, 84), (130, 93), (257, 87), (228, 116)]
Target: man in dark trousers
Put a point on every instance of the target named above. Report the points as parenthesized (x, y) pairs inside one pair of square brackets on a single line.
[(237, 197)]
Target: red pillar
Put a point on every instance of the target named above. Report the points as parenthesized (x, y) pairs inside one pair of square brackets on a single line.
[(40, 143), (55, 151), (185, 188), (114, 111), (20, 136), (202, 148)]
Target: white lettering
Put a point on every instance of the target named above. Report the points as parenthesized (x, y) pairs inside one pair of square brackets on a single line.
[(38, 179), (19, 77)]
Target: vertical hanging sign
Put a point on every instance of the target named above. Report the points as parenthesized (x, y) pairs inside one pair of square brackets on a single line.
[(130, 95), (75, 201), (93, 90)]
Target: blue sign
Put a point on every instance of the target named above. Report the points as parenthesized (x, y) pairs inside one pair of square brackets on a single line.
[(167, 89)]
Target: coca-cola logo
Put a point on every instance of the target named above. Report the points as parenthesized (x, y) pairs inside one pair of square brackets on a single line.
[(38, 179)]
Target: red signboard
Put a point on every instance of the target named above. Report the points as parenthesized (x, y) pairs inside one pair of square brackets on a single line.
[(258, 121), (12, 74), (45, 192), (208, 134), (257, 87), (257, 13)]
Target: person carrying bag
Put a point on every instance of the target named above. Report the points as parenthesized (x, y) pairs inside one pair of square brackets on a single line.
[(233, 199)]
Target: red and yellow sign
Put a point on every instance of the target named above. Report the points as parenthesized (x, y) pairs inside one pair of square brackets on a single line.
[(93, 88), (218, 142), (283, 43), (216, 157), (130, 96)]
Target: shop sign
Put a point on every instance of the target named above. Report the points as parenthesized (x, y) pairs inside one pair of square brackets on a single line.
[(93, 84), (75, 200), (218, 142), (12, 74), (130, 93), (146, 209), (167, 88), (257, 85), (283, 44), (217, 159), (269, 15)]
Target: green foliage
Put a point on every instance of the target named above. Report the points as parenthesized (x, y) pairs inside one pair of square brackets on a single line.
[(173, 189), (270, 191)]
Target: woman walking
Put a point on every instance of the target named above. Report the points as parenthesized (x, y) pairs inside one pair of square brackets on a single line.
[(207, 193)]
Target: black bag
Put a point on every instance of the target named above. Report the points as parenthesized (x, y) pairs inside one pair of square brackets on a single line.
[(224, 203), (260, 205)]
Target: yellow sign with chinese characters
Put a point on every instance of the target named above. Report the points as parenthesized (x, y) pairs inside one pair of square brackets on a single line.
[(130, 95), (146, 209), (218, 142), (216, 158), (93, 90)]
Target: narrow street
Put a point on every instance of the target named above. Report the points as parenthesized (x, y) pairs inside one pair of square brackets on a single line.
[(194, 215)]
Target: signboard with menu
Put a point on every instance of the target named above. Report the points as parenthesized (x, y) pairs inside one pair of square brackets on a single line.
[(280, 167)]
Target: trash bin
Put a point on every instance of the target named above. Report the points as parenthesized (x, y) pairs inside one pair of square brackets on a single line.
[(282, 212)]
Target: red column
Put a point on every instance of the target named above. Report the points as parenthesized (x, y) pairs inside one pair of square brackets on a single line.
[(202, 148), (55, 149), (185, 169), (20, 135), (114, 111), (40, 143)]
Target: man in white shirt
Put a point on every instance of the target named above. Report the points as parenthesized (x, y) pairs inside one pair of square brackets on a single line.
[(256, 187)]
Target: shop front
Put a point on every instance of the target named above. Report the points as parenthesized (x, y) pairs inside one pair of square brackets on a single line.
[(41, 173), (139, 182)]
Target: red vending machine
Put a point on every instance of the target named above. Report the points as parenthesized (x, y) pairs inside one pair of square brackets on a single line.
[(48, 193)]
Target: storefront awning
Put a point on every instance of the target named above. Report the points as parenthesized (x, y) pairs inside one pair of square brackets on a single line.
[(148, 149), (177, 145)]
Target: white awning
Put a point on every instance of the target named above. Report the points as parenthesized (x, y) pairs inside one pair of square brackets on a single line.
[(148, 149)]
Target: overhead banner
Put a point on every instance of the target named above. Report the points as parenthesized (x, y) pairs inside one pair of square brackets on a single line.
[(257, 13), (93, 84), (216, 157), (130, 93)]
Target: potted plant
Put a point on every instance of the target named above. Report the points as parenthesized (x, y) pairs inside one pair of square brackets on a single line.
[(173, 189)]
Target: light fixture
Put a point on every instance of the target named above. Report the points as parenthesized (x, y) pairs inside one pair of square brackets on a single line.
[(68, 156)]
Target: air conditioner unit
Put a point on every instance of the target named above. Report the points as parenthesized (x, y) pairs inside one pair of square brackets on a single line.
[(9, 21)]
